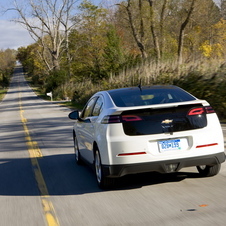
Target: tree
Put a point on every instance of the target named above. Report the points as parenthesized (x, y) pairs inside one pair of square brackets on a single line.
[(7, 63), (138, 38), (146, 20), (223, 8), (153, 31), (114, 56), (88, 40), (162, 26), (215, 46), (182, 29), (49, 24)]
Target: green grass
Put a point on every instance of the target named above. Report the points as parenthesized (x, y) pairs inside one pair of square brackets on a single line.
[(38, 91), (2, 93), (72, 105)]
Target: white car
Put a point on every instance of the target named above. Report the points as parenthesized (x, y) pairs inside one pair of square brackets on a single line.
[(143, 129)]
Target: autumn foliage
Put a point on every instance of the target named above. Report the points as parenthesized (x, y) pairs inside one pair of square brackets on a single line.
[(125, 42)]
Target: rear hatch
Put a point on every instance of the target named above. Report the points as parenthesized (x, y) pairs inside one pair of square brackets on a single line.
[(165, 120)]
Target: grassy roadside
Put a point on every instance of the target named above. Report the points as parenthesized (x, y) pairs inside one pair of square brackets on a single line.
[(72, 105), (43, 96), (2, 93), (38, 91), (205, 80)]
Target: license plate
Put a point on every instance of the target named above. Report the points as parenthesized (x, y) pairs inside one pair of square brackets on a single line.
[(172, 145)]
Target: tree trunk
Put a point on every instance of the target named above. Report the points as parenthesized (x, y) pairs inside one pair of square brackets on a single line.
[(162, 15), (153, 31), (181, 33), (134, 32), (55, 60), (141, 21)]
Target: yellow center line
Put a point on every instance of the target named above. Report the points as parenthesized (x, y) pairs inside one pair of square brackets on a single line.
[(35, 153)]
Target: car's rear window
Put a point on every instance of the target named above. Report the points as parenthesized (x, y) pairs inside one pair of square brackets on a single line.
[(128, 97)]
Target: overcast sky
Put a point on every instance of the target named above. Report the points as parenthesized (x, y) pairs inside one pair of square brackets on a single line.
[(13, 35)]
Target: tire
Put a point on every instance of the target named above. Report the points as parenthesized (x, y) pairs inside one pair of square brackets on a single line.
[(209, 171), (78, 159), (102, 181)]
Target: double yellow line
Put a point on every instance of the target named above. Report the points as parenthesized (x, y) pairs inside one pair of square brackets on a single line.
[(36, 153)]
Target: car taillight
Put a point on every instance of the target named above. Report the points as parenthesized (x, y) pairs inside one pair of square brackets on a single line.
[(131, 118), (196, 111), (201, 110), (108, 119), (209, 110)]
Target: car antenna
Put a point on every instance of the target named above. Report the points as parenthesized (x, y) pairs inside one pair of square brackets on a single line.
[(139, 86)]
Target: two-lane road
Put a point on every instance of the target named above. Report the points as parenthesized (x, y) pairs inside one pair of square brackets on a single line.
[(41, 185)]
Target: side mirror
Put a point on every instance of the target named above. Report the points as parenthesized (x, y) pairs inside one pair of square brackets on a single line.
[(74, 115)]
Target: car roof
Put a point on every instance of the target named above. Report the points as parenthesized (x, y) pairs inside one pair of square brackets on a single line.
[(129, 89)]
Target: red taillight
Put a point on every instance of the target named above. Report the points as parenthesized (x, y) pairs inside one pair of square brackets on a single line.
[(108, 119), (201, 110), (130, 118), (196, 111)]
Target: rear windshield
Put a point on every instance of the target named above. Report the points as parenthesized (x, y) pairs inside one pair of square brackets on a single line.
[(148, 96)]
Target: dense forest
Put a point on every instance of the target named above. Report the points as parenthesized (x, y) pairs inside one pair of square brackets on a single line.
[(80, 49)]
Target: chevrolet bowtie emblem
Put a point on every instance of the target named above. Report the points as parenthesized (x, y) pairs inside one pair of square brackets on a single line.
[(167, 121)]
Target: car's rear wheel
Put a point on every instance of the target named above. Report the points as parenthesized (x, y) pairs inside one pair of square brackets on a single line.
[(77, 153), (102, 180), (209, 171)]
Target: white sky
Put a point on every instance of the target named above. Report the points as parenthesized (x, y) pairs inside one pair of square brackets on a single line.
[(13, 35)]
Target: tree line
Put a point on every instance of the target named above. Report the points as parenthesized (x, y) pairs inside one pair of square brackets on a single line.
[(7, 64), (79, 49)]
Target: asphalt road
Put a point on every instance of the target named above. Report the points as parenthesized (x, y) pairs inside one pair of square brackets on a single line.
[(41, 185)]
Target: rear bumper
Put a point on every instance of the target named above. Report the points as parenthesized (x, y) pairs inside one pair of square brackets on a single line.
[(162, 166)]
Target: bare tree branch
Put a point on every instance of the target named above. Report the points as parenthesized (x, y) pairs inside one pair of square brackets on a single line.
[(49, 24)]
